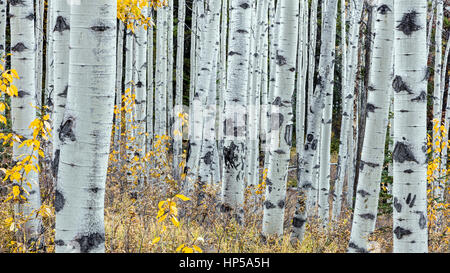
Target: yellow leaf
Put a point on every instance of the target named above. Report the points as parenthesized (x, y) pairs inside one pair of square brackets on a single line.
[(180, 247), (197, 249), (16, 191), (182, 197), (14, 72), (188, 250), (16, 176), (156, 240), (175, 221)]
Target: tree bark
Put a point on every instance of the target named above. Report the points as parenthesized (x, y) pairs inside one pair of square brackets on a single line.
[(410, 167), (86, 129), (378, 101)]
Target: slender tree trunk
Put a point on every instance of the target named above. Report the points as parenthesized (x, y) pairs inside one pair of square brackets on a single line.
[(430, 24), (281, 117), (119, 83), (23, 49), (161, 73), (438, 98), (169, 79), (178, 127), (348, 161), (446, 115), (198, 104), (86, 129), (206, 88), (49, 62), (141, 86), (325, 77), (410, 167), (39, 36), (3, 6), (150, 84), (372, 157), (302, 69), (325, 143), (222, 80), (273, 39), (3, 14), (339, 180), (235, 109), (255, 91), (61, 38)]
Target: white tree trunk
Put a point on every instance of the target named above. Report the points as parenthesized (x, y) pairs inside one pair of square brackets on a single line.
[(378, 101), (177, 126), (169, 79), (2, 30), (86, 129), (119, 82), (324, 78), (222, 79), (206, 89), (39, 36), (302, 69), (235, 109), (23, 49), (348, 161), (438, 97), (161, 73), (410, 167), (281, 118), (141, 86), (443, 171), (259, 57), (61, 37), (49, 70), (339, 180), (3, 14), (150, 85), (325, 142)]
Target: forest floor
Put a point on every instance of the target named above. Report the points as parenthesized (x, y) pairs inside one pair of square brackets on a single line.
[(132, 224)]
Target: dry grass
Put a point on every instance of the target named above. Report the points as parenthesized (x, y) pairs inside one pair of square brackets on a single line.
[(131, 225)]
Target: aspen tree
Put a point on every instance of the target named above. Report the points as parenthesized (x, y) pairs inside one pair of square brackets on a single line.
[(410, 167), (178, 127), (235, 99), (23, 49), (326, 65), (206, 89), (338, 182), (281, 117), (378, 101), (325, 141), (86, 128), (61, 37), (437, 95)]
